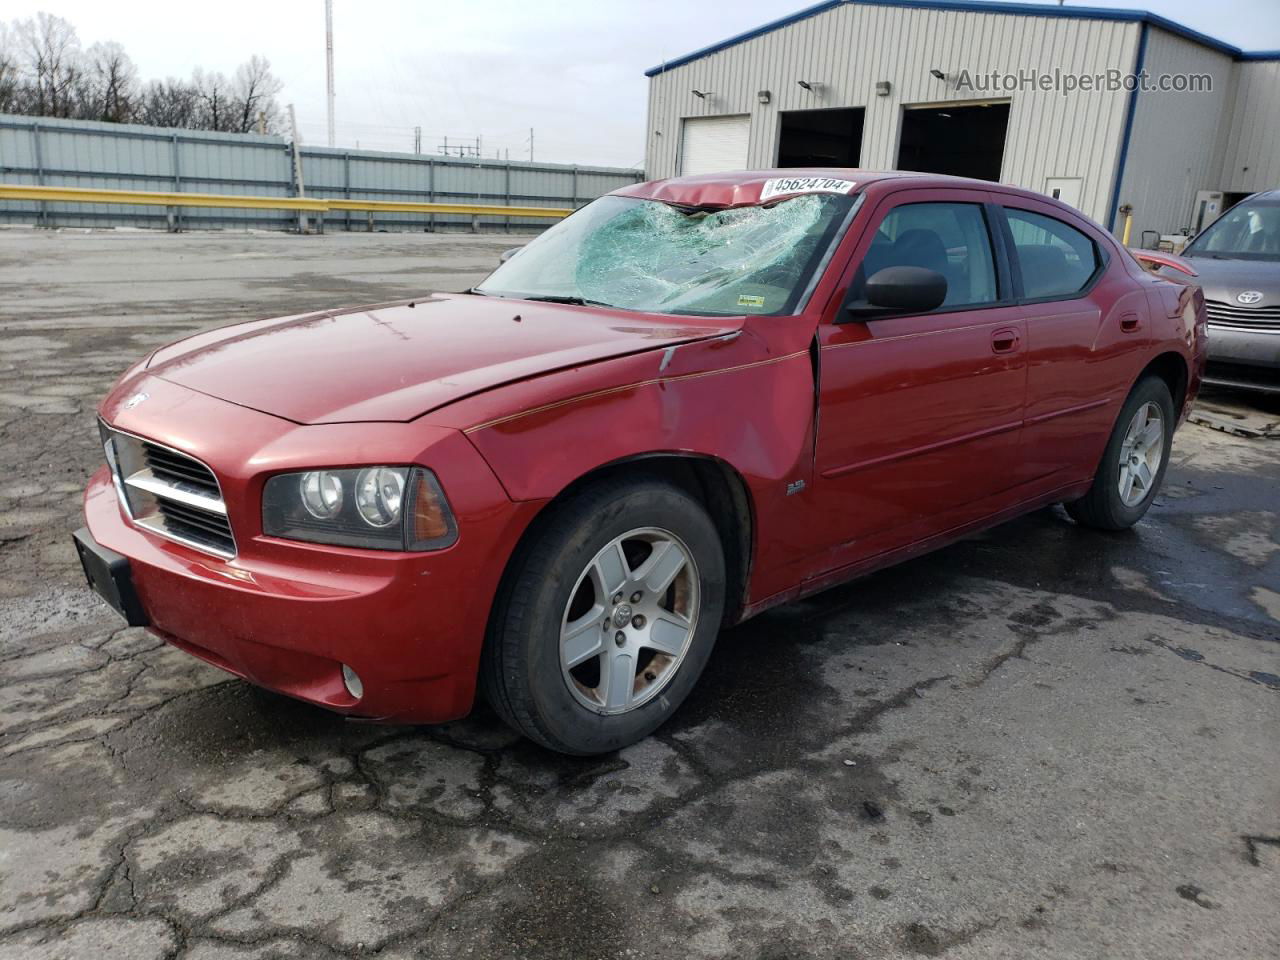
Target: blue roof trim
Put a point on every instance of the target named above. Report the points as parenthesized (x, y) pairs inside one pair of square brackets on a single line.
[(972, 6), (1131, 110), (769, 27)]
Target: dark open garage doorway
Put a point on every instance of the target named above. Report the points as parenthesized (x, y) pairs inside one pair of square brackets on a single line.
[(820, 138), (964, 141)]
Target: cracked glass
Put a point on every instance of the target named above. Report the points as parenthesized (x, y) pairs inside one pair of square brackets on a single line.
[(655, 257)]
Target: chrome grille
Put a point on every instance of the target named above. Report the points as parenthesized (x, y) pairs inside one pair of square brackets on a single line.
[(169, 493), (173, 467), (1242, 318)]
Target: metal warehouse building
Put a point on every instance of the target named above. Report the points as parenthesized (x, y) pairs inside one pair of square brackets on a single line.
[(908, 84)]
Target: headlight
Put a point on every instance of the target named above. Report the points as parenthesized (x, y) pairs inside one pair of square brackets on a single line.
[(385, 508), (379, 493), (321, 493)]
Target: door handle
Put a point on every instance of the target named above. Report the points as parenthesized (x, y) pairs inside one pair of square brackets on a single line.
[(1129, 322), (1005, 341)]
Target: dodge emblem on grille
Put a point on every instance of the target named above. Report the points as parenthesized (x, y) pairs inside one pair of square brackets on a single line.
[(1250, 296), (136, 399)]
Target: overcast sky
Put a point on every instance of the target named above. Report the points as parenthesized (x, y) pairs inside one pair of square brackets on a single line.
[(571, 69)]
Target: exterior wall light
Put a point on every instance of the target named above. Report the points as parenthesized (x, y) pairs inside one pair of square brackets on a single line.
[(764, 96), (883, 87), (701, 94), (938, 73)]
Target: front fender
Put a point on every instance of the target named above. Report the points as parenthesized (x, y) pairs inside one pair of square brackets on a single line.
[(733, 399)]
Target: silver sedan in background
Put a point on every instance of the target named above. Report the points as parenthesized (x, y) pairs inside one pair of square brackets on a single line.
[(1238, 261)]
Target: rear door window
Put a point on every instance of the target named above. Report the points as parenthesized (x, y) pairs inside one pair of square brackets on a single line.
[(1056, 260)]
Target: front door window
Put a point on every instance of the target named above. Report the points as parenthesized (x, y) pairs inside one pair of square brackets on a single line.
[(948, 238)]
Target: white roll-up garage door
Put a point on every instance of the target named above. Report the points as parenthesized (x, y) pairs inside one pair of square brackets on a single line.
[(714, 144)]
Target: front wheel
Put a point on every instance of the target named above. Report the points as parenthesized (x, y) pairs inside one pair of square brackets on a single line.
[(1134, 462), (607, 617)]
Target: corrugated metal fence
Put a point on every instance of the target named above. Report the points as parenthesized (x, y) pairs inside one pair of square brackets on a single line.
[(79, 153)]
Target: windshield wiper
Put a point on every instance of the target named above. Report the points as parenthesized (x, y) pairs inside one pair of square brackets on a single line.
[(557, 298)]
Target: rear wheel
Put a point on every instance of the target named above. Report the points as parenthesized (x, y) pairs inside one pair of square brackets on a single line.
[(1134, 462), (607, 617)]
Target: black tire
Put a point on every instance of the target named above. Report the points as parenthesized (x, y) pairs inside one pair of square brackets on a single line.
[(520, 672), (1102, 507)]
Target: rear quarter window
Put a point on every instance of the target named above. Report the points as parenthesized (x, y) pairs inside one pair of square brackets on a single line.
[(1054, 258)]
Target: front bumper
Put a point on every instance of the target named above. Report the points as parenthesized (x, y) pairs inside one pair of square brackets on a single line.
[(1248, 359), (288, 616), (410, 626), (1254, 348)]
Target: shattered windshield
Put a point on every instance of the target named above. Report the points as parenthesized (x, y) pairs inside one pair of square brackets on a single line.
[(654, 257)]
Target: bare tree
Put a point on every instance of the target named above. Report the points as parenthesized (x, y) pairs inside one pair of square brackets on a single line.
[(45, 73), (52, 52), (167, 103), (109, 84), (215, 110), (254, 91), (12, 88)]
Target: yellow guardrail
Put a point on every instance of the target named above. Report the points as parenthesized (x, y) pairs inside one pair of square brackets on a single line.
[(10, 191), (467, 209)]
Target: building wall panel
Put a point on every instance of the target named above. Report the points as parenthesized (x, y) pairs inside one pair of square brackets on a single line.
[(1251, 135), (849, 48), (1173, 145)]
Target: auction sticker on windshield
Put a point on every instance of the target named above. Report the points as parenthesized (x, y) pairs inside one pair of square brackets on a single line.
[(787, 185)]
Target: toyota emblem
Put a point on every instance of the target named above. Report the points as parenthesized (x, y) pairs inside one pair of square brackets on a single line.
[(1250, 296)]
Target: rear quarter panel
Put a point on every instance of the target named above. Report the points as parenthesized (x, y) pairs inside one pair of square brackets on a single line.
[(1180, 322)]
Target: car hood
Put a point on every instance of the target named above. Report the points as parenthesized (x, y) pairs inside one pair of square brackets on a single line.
[(399, 361), (1225, 280)]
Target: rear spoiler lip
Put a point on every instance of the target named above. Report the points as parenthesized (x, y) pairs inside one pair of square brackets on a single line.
[(1157, 258)]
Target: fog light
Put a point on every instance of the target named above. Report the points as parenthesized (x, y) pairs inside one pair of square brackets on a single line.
[(352, 681)]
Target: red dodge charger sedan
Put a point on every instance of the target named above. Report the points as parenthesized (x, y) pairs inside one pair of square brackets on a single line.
[(688, 402)]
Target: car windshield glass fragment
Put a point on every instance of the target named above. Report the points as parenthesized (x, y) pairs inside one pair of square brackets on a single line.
[(650, 256), (1248, 231)]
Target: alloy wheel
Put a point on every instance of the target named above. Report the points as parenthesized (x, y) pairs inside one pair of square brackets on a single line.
[(1141, 454), (629, 621)]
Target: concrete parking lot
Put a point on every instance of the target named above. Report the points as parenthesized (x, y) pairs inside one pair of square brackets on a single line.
[(1039, 742)]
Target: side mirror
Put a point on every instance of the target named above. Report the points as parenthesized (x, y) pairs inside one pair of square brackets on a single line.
[(508, 254), (900, 290)]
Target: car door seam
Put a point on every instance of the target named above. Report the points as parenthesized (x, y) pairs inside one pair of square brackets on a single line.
[(815, 360)]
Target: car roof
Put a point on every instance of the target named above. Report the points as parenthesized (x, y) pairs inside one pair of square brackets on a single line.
[(750, 187)]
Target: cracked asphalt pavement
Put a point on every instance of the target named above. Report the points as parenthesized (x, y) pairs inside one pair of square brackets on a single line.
[(1039, 742)]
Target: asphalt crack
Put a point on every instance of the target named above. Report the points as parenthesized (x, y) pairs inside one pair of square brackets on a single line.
[(1254, 843)]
